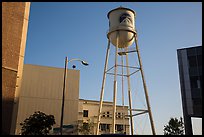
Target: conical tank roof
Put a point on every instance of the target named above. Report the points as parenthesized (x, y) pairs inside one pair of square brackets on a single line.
[(119, 8)]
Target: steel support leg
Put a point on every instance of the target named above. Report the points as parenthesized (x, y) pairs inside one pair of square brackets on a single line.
[(115, 85), (145, 88), (129, 94), (102, 89), (123, 102)]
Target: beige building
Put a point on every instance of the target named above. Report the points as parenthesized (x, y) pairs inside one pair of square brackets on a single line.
[(15, 16), (88, 111), (42, 91)]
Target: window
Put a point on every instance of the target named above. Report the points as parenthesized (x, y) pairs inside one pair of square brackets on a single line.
[(197, 102), (192, 61), (85, 113), (85, 126), (105, 127), (119, 115), (191, 52), (118, 127), (199, 57), (194, 82), (201, 81), (198, 83), (104, 114), (108, 114), (108, 126)]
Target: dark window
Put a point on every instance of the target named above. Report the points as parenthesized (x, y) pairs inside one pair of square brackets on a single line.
[(199, 57), (108, 114), (192, 61), (198, 83), (191, 52), (199, 50), (104, 114), (85, 126), (108, 126), (119, 115), (118, 127), (103, 127), (195, 83), (198, 101), (201, 82), (85, 113)]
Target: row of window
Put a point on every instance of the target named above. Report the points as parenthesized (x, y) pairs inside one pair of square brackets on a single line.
[(118, 115), (107, 114), (106, 127)]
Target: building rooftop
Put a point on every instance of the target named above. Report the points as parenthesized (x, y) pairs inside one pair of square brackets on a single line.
[(95, 101)]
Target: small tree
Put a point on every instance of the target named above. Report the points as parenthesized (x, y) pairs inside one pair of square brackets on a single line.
[(37, 124), (86, 128), (174, 127)]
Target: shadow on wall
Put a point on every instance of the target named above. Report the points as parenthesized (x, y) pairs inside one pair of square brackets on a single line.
[(7, 110)]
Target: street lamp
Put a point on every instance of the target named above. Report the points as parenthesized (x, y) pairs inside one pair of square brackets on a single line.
[(65, 76)]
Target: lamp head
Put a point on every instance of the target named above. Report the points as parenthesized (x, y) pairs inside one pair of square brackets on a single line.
[(84, 63)]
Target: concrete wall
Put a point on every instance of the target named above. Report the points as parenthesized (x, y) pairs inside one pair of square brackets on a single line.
[(14, 32), (42, 91)]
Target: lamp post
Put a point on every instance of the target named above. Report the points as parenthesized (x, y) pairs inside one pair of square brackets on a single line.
[(64, 87)]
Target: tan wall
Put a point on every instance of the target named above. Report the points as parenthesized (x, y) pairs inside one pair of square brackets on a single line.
[(93, 106), (14, 31), (42, 91)]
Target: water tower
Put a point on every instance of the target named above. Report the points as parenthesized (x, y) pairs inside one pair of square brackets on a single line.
[(122, 34)]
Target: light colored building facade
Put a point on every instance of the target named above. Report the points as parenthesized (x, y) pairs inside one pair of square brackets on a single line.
[(88, 111), (15, 16), (42, 91)]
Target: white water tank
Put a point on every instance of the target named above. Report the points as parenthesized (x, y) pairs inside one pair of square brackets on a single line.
[(121, 25)]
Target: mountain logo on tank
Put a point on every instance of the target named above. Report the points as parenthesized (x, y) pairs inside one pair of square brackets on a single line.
[(125, 18)]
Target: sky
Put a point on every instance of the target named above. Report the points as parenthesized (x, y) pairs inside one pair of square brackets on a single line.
[(78, 30)]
